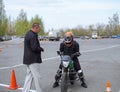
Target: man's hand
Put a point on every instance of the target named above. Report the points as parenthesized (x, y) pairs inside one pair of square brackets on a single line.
[(42, 49)]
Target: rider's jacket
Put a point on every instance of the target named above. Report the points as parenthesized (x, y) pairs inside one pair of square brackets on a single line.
[(69, 50)]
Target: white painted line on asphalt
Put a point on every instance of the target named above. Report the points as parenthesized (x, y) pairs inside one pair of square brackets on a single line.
[(50, 58), (100, 49), (10, 67), (2, 68), (4, 85), (58, 56)]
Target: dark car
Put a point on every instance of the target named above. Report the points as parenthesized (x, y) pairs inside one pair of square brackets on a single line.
[(2, 38), (5, 38), (8, 38)]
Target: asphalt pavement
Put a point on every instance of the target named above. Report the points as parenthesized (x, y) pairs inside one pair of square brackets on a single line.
[(100, 61)]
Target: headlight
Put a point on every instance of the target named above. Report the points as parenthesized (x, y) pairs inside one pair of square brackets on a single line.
[(65, 64)]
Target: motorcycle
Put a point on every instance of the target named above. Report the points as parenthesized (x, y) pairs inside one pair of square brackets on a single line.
[(68, 72)]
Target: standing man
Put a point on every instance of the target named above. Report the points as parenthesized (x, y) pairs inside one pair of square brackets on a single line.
[(32, 58)]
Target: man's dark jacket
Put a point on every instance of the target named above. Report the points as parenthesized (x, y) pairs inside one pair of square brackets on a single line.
[(32, 49)]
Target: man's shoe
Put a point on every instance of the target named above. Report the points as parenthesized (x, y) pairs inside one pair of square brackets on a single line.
[(84, 85), (72, 83), (55, 85)]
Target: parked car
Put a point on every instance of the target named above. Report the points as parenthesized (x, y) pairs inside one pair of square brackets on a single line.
[(53, 36), (85, 37), (2, 38), (105, 36), (94, 35), (8, 38), (118, 36), (5, 38), (42, 38), (114, 36)]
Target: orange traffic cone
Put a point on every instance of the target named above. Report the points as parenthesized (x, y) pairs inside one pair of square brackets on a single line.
[(13, 84), (6, 44), (108, 87), (0, 49), (21, 45)]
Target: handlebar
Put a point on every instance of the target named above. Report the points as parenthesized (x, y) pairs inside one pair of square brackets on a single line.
[(61, 53)]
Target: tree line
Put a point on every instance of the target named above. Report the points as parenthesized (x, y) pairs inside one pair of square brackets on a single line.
[(109, 29), (21, 25)]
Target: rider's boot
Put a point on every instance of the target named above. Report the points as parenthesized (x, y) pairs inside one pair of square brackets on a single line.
[(56, 84), (83, 83), (81, 77), (57, 77)]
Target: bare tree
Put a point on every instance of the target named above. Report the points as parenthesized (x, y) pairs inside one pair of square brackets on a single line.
[(114, 24)]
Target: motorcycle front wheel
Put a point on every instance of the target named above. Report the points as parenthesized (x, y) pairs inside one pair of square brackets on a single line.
[(64, 82)]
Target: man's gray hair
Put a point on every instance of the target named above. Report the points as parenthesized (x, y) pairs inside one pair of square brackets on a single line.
[(35, 25)]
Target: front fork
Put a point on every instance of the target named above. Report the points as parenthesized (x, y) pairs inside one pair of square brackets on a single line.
[(65, 73), (70, 73)]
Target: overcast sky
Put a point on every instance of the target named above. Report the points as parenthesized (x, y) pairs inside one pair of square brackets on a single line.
[(65, 13)]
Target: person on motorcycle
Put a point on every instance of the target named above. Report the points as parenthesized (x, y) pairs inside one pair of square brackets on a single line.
[(70, 47)]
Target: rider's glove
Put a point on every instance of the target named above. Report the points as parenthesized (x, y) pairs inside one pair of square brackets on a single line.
[(75, 55)]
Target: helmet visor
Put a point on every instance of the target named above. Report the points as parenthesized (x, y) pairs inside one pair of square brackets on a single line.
[(68, 39)]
